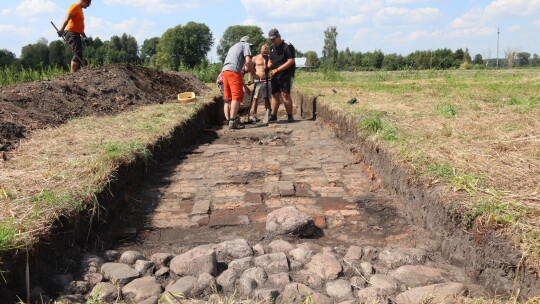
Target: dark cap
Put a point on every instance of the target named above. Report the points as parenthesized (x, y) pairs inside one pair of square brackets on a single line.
[(273, 33)]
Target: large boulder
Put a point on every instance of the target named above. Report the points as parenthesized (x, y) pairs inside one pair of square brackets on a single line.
[(290, 221), (198, 260), (231, 250), (141, 289)]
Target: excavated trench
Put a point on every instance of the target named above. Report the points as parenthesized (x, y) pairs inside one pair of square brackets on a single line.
[(210, 186)]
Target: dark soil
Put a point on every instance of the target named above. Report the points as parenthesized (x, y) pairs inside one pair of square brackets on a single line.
[(104, 90)]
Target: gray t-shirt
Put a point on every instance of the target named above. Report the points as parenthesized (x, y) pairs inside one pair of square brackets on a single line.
[(236, 57)]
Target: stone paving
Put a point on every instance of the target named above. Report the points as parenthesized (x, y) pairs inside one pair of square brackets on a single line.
[(202, 222), (235, 180)]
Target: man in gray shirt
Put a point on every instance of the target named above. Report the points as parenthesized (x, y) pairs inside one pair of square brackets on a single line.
[(239, 55)]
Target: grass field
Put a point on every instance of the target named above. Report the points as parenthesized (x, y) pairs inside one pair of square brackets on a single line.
[(60, 170), (475, 132)]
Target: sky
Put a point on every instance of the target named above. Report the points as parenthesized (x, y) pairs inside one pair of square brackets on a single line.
[(392, 26)]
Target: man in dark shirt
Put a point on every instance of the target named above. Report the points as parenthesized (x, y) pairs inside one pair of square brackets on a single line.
[(282, 67)]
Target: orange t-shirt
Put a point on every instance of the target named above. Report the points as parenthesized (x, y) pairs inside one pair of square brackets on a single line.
[(76, 23)]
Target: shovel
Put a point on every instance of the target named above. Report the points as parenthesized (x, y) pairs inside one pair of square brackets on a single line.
[(267, 104), (66, 42)]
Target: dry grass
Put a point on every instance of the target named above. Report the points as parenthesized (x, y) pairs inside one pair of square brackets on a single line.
[(60, 170), (477, 133)]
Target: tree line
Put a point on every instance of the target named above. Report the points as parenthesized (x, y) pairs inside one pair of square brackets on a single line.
[(187, 46)]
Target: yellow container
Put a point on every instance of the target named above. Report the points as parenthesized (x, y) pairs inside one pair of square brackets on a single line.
[(186, 97)]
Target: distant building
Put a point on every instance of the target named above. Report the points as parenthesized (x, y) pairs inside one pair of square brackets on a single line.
[(301, 64)]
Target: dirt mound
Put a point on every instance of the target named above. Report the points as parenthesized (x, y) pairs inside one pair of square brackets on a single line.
[(104, 90)]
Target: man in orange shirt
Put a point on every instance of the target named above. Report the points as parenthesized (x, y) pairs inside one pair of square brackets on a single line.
[(73, 29)]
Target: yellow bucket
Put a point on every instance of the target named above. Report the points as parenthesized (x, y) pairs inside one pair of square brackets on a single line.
[(186, 97)]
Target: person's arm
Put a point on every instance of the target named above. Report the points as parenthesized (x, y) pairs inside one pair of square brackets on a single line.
[(250, 66), (64, 24), (284, 66)]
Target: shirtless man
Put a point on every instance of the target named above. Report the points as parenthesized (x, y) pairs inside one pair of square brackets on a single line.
[(260, 83)]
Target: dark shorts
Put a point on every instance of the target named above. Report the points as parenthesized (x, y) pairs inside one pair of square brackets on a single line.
[(74, 39), (282, 84)]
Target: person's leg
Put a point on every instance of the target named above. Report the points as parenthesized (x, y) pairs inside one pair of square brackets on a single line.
[(227, 109), (74, 66), (75, 43), (227, 96), (237, 92), (286, 89), (287, 101)]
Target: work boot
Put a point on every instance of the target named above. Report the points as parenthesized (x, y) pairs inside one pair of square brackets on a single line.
[(272, 117), (254, 119), (290, 118), (234, 124)]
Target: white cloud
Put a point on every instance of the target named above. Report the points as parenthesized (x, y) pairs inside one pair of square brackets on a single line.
[(424, 35), (404, 1), (497, 9), (29, 8), (140, 29), (6, 12), (155, 6), (537, 23), (400, 15), (514, 28), (319, 9), (14, 29), (472, 32)]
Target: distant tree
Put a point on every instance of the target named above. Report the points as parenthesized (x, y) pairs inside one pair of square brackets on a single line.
[(122, 49), (184, 46), (330, 52), (523, 58), (148, 51), (233, 34), (373, 60), (392, 62), (510, 57), (59, 54), (96, 53), (7, 58), (478, 59), (466, 56), (356, 59), (535, 61), (459, 56), (35, 55), (312, 60)]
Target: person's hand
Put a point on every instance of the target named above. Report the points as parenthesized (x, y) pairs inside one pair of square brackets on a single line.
[(60, 33), (274, 72)]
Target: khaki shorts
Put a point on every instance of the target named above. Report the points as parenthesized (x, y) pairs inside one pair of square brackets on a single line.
[(260, 90)]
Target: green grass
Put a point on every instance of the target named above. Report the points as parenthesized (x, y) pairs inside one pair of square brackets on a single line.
[(495, 212), (445, 109), (473, 131), (375, 124), (69, 165), (12, 75)]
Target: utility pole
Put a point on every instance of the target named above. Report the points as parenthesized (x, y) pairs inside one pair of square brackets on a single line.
[(498, 32)]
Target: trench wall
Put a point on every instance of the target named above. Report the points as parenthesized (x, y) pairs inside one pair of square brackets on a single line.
[(75, 235), (488, 257)]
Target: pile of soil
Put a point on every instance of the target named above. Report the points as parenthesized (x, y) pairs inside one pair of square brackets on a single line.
[(103, 90)]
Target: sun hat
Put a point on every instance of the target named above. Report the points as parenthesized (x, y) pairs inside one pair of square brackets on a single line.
[(245, 39)]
